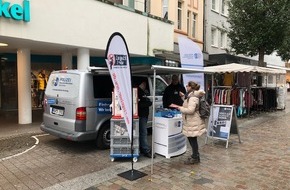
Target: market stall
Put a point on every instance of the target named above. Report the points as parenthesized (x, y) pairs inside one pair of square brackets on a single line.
[(249, 88)]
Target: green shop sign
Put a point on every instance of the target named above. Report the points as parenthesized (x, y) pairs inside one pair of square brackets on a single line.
[(16, 12)]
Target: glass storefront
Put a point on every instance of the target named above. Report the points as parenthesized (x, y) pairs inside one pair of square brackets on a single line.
[(8, 78), (8, 84)]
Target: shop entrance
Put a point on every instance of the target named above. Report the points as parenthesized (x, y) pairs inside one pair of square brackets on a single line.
[(8, 85)]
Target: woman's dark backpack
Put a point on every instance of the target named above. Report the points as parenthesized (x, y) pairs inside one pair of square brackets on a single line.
[(204, 108)]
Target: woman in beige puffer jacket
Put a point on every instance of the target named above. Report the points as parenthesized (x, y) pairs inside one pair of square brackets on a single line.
[(193, 125)]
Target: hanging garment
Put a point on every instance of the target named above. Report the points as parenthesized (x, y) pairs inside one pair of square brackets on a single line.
[(249, 99), (228, 79), (241, 108), (244, 79), (228, 100), (260, 97), (235, 97), (216, 95)]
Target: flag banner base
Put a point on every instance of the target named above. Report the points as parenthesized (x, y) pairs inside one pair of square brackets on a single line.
[(132, 175)]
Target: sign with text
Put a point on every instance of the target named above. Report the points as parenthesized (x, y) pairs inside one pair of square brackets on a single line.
[(191, 57), (222, 122), (15, 11), (117, 59)]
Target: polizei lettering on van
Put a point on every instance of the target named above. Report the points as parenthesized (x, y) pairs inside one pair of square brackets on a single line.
[(61, 81), (16, 12), (65, 81)]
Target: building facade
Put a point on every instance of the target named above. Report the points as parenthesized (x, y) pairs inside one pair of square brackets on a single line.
[(75, 34), (69, 34), (187, 16)]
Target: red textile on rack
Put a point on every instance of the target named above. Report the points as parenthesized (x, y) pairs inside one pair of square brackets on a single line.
[(249, 99), (235, 97)]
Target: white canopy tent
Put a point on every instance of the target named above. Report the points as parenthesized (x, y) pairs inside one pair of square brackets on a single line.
[(235, 67), (150, 69)]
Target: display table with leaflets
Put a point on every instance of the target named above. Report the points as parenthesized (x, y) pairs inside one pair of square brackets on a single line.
[(168, 139), (120, 145)]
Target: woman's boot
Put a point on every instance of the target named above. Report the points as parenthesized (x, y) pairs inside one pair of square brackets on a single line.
[(192, 160)]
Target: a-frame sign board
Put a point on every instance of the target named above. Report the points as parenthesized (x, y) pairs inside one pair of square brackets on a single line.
[(222, 122)]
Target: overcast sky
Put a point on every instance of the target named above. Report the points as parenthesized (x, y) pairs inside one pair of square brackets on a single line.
[(272, 59)]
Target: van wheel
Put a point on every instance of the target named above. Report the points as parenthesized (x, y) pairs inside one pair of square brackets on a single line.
[(103, 138)]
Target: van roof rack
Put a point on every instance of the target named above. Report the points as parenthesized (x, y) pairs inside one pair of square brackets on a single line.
[(99, 70), (93, 68)]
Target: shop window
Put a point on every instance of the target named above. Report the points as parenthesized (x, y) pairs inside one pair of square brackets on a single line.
[(9, 89)]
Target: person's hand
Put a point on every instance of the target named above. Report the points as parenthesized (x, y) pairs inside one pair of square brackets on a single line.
[(174, 106), (181, 94)]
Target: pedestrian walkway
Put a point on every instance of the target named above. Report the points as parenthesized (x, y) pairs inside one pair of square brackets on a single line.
[(9, 126), (261, 161)]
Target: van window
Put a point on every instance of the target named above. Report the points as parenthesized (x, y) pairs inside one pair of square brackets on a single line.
[(103, 86), (63, 85), (160, 87)]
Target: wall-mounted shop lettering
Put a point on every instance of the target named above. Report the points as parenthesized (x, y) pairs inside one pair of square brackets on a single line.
[(15, 11)]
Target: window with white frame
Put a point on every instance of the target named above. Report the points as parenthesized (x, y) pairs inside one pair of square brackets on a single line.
[(224, 7), (147, 5), (193, 27), (165, 9), (214, 36), (191, 24), (214, 5), (188, 22), (223, 39), (179, 15)]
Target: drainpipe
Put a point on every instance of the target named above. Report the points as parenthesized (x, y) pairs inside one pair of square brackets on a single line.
[(204, 26)]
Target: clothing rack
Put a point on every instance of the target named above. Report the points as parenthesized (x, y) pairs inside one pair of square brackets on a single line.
[(252, 98)]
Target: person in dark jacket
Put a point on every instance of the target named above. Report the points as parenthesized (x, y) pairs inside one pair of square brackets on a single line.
[(173, 92), (143, 111)]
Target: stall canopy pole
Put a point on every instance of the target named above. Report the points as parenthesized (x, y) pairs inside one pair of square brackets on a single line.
[(153, 121), (212, 89)]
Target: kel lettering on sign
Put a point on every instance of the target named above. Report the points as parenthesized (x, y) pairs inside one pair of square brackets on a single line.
[(15, 11)]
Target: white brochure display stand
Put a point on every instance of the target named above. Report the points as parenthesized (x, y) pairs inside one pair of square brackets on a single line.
[(120, 145), (169, 140)]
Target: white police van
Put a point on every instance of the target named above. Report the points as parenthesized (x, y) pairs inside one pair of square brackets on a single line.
[(77, 104)]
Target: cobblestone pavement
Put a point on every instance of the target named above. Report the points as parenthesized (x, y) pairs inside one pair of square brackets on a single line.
[(261, 161), (13, 145)]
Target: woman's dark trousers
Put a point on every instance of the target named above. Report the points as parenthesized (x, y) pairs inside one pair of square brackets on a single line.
[(194, 146)]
